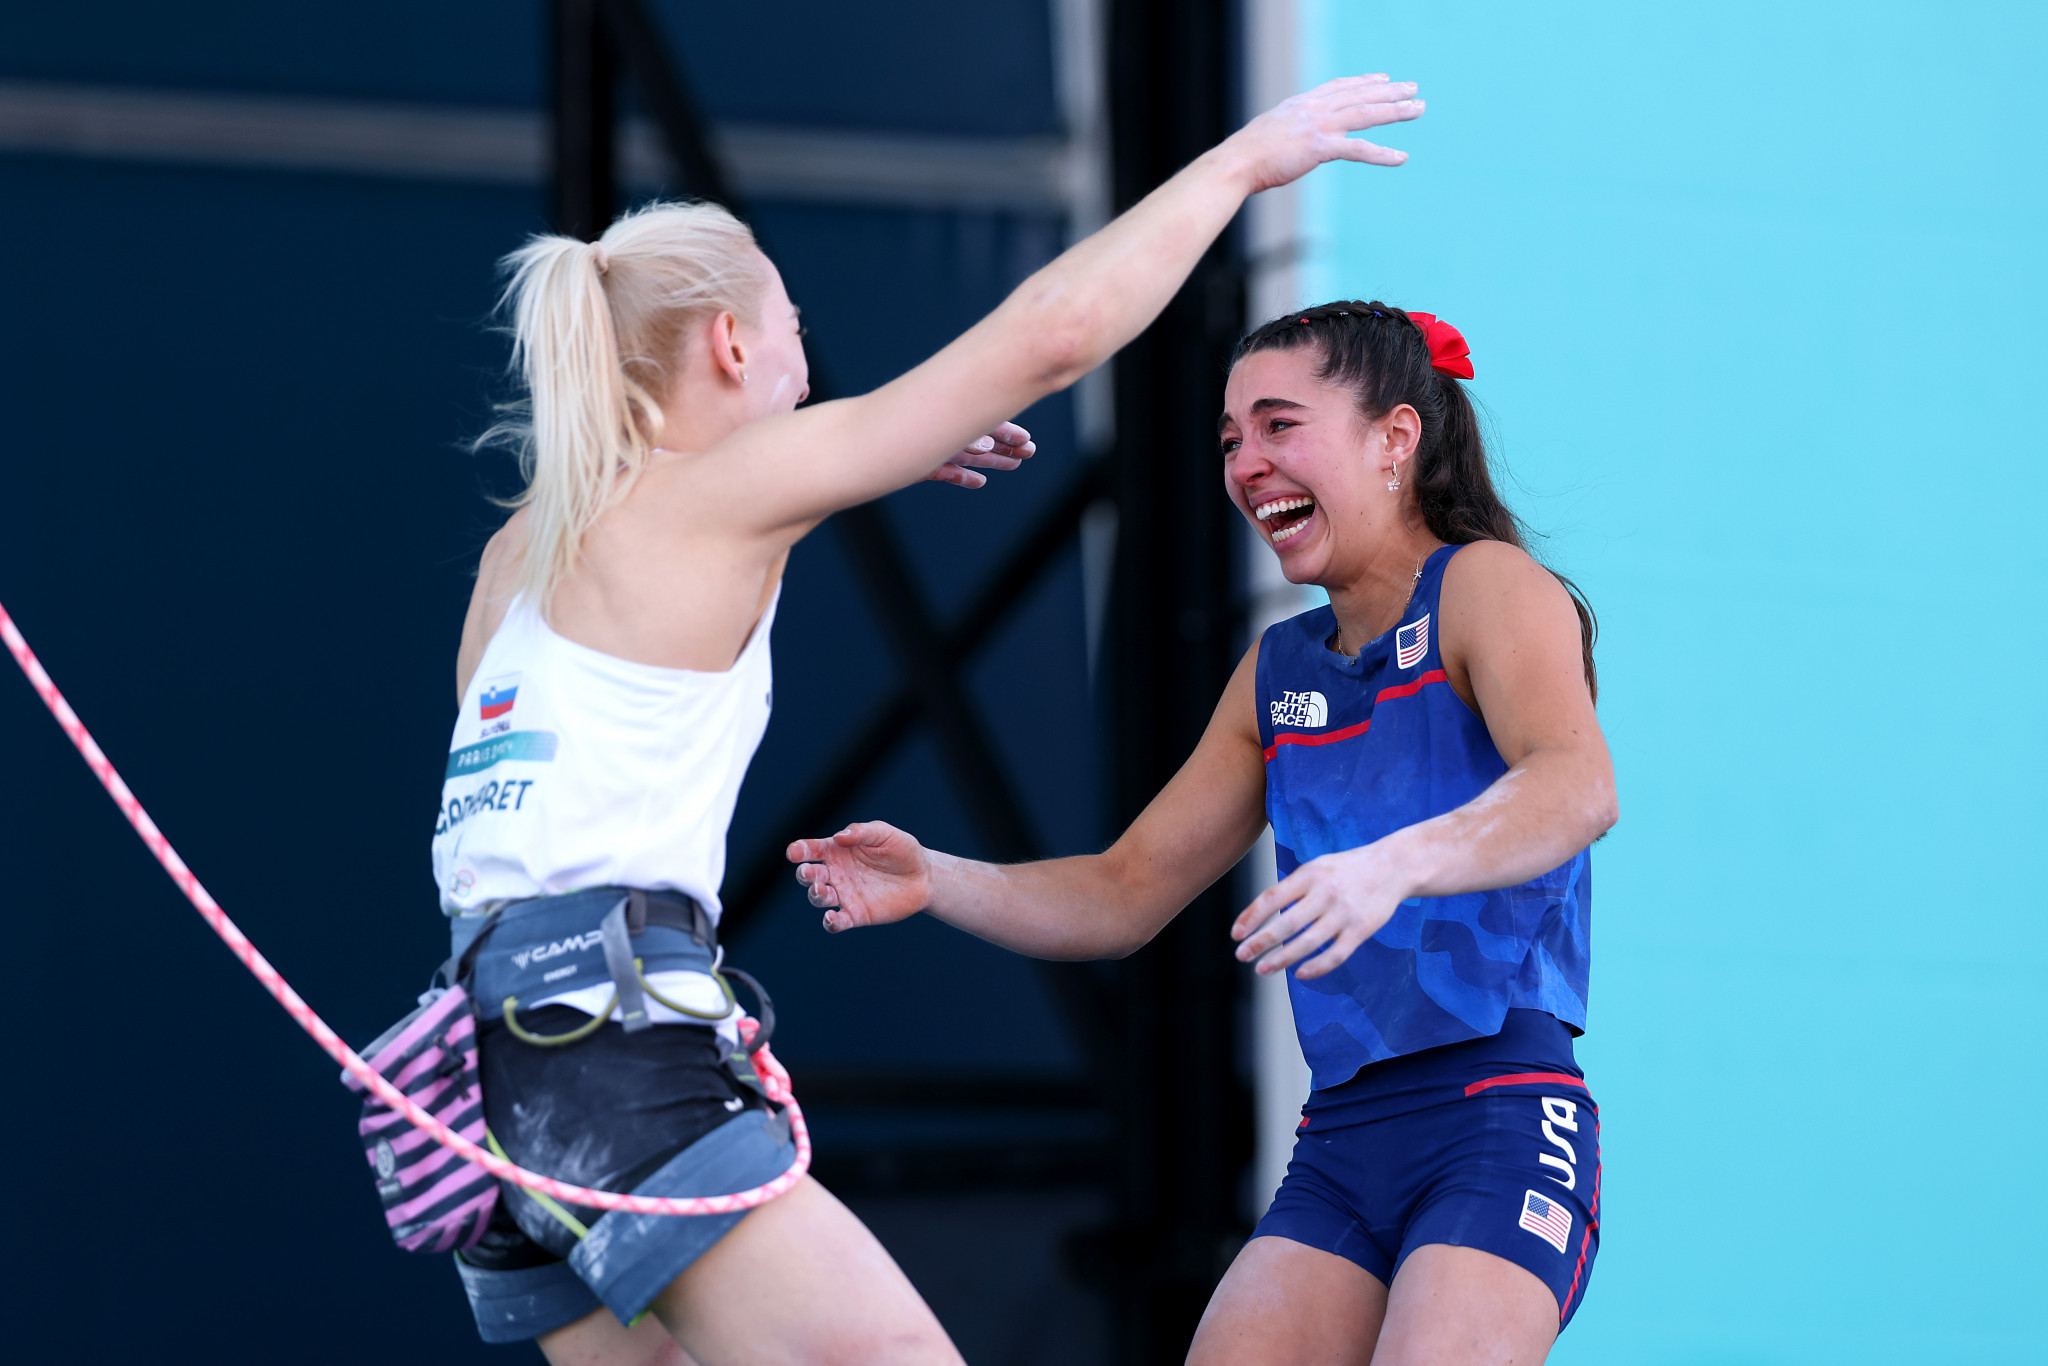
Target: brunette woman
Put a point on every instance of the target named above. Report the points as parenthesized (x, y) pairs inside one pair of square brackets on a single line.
[(1426, 752)]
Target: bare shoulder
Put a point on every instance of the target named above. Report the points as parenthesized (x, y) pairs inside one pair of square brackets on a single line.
[(1492, 582), (500, 560), (1502, 614), (496, 575), (1238, 709), (1493, 566)]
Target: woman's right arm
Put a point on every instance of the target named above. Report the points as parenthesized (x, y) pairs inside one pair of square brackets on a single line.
[(1054, 328), (1100, 906)]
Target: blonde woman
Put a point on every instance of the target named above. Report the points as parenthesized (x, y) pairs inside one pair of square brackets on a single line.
[(614, 679)]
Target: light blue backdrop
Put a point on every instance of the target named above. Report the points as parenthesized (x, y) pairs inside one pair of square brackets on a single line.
[(1756, 298)]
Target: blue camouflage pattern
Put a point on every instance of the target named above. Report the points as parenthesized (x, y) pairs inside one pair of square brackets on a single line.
[(1357, 748)]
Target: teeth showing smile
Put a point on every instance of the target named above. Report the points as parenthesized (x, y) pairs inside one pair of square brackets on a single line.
[(1266, 512)]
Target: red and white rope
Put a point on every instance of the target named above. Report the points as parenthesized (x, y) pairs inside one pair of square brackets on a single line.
[(773, 1077)]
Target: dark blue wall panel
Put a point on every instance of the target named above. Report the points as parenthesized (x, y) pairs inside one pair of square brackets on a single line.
[(238, 519), (910, 65)]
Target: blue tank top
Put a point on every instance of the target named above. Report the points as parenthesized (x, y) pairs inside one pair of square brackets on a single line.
[(1357, 748)]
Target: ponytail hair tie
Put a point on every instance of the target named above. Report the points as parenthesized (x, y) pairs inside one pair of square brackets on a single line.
[(600, 258), (1448, 353)]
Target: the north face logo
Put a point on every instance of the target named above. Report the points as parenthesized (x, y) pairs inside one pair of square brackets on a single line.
[(1302, 710)]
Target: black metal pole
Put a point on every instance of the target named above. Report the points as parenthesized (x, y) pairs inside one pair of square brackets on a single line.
[(585, 179), (1185, 1135)]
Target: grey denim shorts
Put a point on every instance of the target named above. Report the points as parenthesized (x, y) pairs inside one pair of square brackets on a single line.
[(519, 1290)]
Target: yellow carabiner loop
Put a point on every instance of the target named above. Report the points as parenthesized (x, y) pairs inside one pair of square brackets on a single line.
[(716, 976), (520, 1032)]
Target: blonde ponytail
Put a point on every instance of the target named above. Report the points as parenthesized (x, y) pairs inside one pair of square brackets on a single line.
[(597, 330)]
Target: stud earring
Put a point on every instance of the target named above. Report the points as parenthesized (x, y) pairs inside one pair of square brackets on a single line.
[(743, 377), (1394, 478)]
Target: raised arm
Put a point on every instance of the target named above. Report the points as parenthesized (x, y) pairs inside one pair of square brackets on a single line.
[(1511, 646), (1054, 328), (1099, 906)]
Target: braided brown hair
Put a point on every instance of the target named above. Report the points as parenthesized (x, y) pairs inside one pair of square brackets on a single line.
[(1378, 352)]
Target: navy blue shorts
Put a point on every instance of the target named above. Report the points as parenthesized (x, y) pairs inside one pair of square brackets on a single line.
[(1493, 1144)]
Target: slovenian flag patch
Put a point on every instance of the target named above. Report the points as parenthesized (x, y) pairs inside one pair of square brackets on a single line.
[(498, 696)]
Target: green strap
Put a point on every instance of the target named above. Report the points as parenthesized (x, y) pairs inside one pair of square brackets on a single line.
[(718, 977), (546, 1202), (584, 1031)]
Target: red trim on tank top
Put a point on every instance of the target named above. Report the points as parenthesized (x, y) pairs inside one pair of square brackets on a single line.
[(1385, 694), (1410, 689), (1296, 738), (1528, 1079)]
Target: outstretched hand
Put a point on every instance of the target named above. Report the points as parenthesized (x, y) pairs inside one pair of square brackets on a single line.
[(1005, 448), (1333, 903), (1301, 133), (870, 873)]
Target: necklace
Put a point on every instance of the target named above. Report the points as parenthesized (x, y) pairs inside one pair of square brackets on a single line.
[(1337, 641)]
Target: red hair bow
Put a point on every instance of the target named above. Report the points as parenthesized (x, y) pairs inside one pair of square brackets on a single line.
[(1447, 349)]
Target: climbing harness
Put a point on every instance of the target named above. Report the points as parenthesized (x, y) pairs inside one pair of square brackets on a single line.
[(433, 1203), (449, 1041)]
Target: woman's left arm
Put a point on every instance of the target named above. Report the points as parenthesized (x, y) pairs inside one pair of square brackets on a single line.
[(1510, 644)]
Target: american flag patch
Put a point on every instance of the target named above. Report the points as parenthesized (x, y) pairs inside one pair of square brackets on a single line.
[(1411, 643), (1546, 1219)]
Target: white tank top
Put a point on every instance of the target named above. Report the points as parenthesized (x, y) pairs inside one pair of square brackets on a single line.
[(570, 768)]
